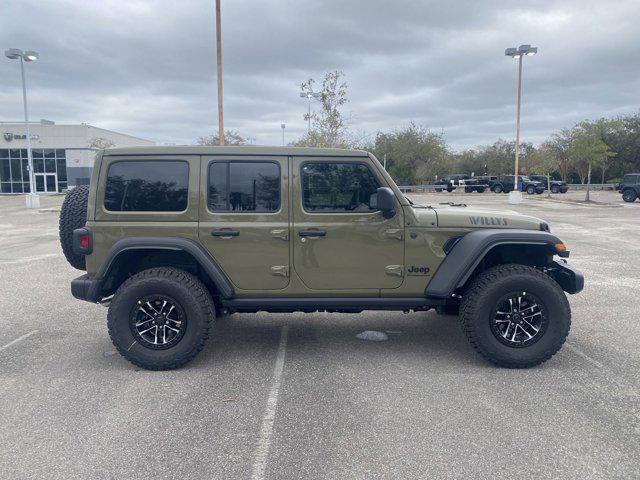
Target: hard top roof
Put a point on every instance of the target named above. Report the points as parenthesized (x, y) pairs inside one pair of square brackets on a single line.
[(236, 150)]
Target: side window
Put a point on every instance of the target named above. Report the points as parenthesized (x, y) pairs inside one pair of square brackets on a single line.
[(147, 186), (244, 187), (338, 187)]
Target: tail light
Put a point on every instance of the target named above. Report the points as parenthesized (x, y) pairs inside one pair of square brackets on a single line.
[(83, 241)]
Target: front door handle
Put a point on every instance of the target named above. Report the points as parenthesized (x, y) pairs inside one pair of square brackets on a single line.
[(225, 233), (312, 233)]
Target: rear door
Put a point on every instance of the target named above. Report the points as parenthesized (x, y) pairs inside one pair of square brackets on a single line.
[(244, 219), (340, 240)]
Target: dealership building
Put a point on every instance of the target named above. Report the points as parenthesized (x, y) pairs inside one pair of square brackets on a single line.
[(63, 155)]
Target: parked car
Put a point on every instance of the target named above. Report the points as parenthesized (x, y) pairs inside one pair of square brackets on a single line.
[(629, 187), (504, 184), (209, 231), (452, 181), (556, 186)]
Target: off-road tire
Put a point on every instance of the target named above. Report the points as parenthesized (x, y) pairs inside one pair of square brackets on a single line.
[(73, 214), (468, 189), (555, 189), (480, 190), (497, 189), (481, 297), (193, 298), (449, 188), (629, 195), (531, 190)]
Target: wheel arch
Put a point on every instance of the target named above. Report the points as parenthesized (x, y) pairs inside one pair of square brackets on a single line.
[(134, 254), (482, 249)]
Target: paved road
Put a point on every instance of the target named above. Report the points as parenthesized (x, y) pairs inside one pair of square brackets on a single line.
[(299, 396)]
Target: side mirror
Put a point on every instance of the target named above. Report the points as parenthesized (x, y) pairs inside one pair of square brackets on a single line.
[(386, 202)]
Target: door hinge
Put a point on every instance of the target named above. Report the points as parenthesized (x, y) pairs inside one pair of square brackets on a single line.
[(396, 233), (395, 270), (281, 233), (280, 270)]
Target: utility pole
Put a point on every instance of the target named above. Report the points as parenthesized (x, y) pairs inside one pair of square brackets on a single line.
[(219, 61)]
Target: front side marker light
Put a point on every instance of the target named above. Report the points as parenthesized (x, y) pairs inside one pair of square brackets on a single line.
[(561, 249)]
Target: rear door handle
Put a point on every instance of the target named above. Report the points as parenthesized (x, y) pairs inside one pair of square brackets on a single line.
[(225, 233), (312, 233)]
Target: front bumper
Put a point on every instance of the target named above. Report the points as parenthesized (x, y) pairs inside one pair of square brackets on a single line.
[(86, 288), (570, 279)]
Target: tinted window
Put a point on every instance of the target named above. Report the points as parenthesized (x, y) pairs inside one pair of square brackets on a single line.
[(244, 187), (147, 186), (338, 187)]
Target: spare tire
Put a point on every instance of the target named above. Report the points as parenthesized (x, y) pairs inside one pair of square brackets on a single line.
[(73, 214)]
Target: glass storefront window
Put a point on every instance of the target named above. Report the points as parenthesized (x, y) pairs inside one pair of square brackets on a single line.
[(60, 153), (14, 153), (16, 170), (38, 165), (4, 153), (5, 170), (62, 169), (50, 165), (37, 153), (49, 153)]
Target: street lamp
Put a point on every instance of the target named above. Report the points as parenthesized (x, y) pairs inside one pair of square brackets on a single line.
[(309, 95), (282, 126), (33, 200), (523, 50)]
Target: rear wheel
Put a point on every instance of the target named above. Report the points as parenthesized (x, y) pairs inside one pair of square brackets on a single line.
[(555, 189), (160, 318), (629, 195), (515, 316), (497, 189)]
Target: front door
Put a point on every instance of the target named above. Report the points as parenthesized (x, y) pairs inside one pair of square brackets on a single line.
[(340, 239), (46, 182), (244, 219)]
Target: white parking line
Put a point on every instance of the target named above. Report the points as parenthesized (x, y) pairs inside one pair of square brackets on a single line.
[(19, 339), (264, 441)]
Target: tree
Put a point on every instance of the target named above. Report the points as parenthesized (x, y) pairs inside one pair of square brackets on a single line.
[(329, 128), (544, 160), (231, 137), (412, 153), (559, 144), (587, 151)]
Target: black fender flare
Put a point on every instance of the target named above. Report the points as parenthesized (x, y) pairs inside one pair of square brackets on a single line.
[(469, 251), (88, 288)]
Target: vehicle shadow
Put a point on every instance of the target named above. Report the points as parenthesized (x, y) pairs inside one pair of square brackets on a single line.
[(421, 336)]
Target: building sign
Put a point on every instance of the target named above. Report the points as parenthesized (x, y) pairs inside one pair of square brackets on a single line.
[(8, 136)]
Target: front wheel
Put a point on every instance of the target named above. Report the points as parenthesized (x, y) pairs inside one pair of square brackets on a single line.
[(629, 196), (480, 189), (515, 316), (555, 189), (497, 189), (160, 318), (531, 190)]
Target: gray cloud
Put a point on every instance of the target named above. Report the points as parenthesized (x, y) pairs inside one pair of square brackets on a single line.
[(148, 67)]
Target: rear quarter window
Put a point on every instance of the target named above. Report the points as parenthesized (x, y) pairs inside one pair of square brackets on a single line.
[(147, 186)]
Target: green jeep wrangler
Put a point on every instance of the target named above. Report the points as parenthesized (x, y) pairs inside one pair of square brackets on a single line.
[(171, 237)]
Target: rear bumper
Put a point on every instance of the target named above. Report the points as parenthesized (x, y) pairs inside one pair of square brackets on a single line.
[(570, 279), (86, 288)]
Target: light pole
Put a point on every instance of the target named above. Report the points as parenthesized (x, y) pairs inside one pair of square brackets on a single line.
[(219, 69), (309, 95), (282, 126), (516, 196), (33, 200)]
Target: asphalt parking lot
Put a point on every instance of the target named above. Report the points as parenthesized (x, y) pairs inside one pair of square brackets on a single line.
[(299, 396)]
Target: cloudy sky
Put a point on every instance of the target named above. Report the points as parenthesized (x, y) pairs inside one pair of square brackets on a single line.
[(147, 68)]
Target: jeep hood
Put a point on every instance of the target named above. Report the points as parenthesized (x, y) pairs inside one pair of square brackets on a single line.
[(465, 217)]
